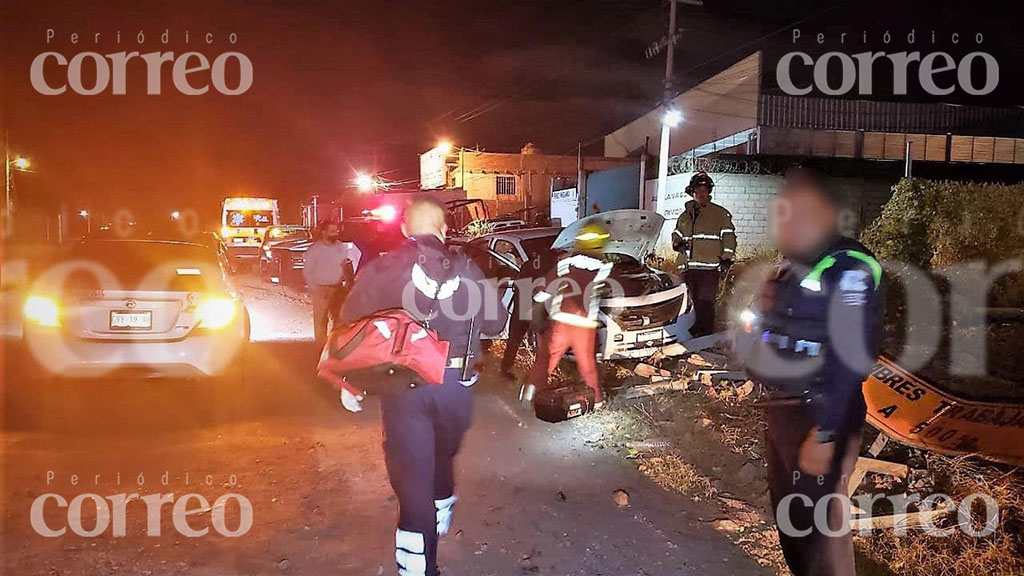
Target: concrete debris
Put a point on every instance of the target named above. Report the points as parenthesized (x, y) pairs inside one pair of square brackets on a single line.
[(648, 371), (621, 498), (745, 390), (698, 361), (653, 388), (726, 525)]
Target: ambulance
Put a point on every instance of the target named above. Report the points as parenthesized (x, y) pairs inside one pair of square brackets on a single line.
[(244, 221)]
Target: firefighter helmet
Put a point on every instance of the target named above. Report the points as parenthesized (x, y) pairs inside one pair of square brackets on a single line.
[(592, 236), (700, 179)]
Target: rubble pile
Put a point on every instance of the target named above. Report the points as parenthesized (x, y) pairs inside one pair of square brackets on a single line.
[(698, 365)]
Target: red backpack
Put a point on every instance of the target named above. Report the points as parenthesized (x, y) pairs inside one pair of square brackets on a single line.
[(383, 351), (388, 343)]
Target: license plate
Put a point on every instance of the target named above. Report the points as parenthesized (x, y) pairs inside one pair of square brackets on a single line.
[(238, 240), (131, 320), (574, 410), (650, 335)]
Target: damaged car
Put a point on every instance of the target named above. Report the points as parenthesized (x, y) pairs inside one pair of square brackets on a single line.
[(648, 309)]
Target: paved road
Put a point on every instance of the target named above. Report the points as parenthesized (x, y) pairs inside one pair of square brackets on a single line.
[(534, 498)]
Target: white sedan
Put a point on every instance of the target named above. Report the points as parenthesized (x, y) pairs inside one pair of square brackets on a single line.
[(651, 309), (143, 307)]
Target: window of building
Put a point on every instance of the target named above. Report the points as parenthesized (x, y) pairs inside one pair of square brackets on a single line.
[(505, 185)]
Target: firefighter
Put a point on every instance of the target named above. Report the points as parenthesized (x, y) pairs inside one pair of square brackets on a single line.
[(328, 266), (424, 426), (571, 295), (812, 339), (706, 239)]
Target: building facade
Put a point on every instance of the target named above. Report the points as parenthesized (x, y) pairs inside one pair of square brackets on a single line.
[(508, 183)]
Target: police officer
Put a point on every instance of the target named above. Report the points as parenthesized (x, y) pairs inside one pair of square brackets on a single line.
[(424, 426), (706, 239), (571, 296), (811, 340)]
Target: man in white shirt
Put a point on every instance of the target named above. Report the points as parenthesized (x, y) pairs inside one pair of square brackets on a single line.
[(328, 270)]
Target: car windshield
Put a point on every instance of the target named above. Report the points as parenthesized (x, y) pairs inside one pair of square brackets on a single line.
[(248, 218), (142, 265), (538, 245)]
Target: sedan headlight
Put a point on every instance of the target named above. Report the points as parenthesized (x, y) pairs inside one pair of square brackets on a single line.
[(42, 311), (216, 312)]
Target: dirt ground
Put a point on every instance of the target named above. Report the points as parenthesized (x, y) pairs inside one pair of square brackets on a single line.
[(534, 498)]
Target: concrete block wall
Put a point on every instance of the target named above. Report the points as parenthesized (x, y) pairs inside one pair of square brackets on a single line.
[(749, 198)]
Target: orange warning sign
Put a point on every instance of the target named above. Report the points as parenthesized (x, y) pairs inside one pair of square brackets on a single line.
[(918, 414)]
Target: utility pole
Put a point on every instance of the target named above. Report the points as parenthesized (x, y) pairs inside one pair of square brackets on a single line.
[(666, 128), (8, 220), (581, 184), (671, 117)]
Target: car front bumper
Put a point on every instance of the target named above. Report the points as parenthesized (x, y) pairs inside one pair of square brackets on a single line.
[(617, 343)]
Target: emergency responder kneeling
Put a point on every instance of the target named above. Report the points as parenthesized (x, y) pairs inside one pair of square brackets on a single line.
[(706, 240), (570, 299), (811, 339), (424, 425)]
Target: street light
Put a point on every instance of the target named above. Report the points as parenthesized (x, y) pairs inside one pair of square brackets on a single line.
[(672, 118), (20, 164), (175, 215), (365, 182), (88, 221), (669, 120), (446, 148)]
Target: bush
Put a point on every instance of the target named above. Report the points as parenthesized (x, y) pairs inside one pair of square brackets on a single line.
[(934, 224)]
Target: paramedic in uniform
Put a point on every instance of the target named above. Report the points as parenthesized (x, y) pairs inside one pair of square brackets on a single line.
[(424, 426), (706, 239), (813, 337), (571, 295)]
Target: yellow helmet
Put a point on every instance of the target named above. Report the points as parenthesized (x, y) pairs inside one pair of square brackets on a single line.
[(593, 236)]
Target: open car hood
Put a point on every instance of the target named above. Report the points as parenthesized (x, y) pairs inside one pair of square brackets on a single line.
[(631, 232)]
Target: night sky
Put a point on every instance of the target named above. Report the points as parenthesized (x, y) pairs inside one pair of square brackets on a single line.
[(345, 86)]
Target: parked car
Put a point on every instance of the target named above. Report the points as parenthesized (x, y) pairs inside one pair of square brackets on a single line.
[(653, 307), (279, 235), (373, 236), (149, 307)]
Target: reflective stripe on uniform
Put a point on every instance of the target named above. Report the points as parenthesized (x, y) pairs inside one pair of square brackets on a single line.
[(876, 268), (573, 320), (705, 237), (698, 264), (410, 553), (812, 281), (444, 514)]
